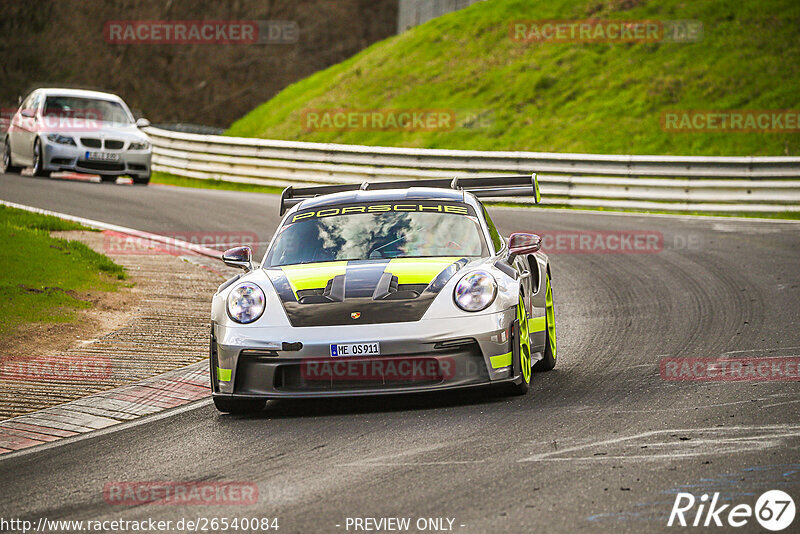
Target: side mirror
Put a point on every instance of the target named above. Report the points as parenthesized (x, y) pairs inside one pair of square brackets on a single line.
[(241, 257), (521, 243), (142, 123), (27, 113)]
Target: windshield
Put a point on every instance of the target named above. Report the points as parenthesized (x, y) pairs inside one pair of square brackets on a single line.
[(366, 232), (71, 106)]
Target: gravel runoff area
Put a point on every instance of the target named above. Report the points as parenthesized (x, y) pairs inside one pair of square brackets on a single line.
[(166, 329)]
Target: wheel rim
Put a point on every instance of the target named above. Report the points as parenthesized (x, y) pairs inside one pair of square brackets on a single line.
[(551, 317), (36, 156), (524, 341)]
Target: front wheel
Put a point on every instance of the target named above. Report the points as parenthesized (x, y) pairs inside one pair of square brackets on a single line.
[(523, 341), (239, 406), (8, 165), (38, 160), (549, 360), (142, 179)]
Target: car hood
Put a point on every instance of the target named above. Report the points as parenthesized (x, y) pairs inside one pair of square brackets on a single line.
[(362, 292), (100, 130)]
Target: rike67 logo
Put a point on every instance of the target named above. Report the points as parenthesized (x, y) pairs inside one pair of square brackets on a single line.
[(774, 510)]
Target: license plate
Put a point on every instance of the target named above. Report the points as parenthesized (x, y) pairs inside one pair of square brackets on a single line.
[(344, 350), (102, 156)]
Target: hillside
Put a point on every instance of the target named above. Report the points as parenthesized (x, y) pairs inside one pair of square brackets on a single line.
[(562, 97)]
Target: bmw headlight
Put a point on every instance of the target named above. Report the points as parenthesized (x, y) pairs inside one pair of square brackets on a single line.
[(246, 303), (61, 139), (475, 291), (143, 145)]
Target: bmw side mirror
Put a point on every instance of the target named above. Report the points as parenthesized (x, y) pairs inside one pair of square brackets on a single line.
[(241, 257), (142, 123), (521, 243), (27, 113)]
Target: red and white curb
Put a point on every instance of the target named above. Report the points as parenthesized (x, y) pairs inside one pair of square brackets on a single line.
[(116, 406), (106, 409)]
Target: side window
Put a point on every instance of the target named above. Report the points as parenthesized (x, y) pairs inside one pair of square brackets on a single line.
[(36, 102), (497, 240), (27, 103)]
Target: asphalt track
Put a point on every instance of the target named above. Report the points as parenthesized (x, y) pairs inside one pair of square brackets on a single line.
[(600, 443)]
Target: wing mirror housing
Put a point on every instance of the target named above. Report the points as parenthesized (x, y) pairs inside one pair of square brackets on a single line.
[(522, 243), (142, 123), (28, 113), (241, 257)]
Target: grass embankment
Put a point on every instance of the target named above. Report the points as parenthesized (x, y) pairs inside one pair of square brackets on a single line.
[(42, 278), (604, 98), (164, 178)]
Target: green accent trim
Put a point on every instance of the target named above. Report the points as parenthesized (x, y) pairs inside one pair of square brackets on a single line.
[(418, 270), (503, 360), (312, 275), (224, 375), (536, 324)]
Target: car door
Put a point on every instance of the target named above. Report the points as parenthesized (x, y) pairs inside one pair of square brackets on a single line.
[(24, 130)]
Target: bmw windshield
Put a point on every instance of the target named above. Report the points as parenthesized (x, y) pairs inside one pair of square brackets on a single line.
[(378, 231), (94, 108)]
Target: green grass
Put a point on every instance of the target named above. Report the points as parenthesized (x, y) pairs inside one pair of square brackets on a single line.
[(179, 181), (41, 277), (560, 97)]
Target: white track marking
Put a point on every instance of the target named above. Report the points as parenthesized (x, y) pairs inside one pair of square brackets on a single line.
[(99, 225)]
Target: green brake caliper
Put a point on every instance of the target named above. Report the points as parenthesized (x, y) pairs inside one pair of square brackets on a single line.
[(524, 341)]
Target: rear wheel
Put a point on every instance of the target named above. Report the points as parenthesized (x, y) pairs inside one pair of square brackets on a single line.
[(38, 160), (239, 406), (108, 178), (523, 341), (8, 165), (549, 360)]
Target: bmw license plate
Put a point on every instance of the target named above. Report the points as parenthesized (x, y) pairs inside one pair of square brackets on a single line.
[(343, 350), (102, 156)]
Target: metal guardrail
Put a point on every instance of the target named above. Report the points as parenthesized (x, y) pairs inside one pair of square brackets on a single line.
[(670, 183)]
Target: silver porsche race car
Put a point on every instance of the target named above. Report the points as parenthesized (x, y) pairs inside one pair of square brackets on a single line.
[(384, 288)]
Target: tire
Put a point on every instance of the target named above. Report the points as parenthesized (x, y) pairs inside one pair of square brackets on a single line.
[(37, 160), (8, 166), (239, 406), (523, 341), (142, 179), (550, 346), (108, 178)]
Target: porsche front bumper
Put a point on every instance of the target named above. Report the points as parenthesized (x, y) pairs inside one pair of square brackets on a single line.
[(426, 355)]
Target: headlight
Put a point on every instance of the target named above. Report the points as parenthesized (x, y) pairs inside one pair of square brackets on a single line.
[(246, 303), (476, 291), (61, 139), (143, 145)]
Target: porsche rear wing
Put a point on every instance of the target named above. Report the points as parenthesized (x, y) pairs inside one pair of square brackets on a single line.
[(481, 186)]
